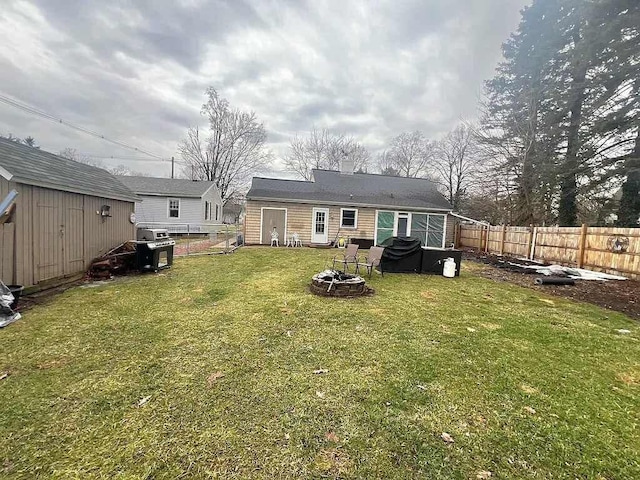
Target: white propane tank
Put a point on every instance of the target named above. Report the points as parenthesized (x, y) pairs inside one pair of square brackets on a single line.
[(449, 269)]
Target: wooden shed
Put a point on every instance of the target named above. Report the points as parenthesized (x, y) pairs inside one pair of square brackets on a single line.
[(64, 215)]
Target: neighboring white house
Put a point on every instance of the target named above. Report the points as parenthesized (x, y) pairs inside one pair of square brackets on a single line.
[(181, 206)]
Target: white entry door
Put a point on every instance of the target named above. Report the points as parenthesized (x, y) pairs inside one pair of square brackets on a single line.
[(320, 225)]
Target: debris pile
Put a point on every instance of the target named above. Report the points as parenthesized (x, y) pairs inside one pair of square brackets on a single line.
[(117, 261), (7, 305)]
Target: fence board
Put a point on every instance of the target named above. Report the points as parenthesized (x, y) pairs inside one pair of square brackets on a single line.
[(562, 245)]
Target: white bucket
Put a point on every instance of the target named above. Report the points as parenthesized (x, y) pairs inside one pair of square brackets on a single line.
[(449, 269)]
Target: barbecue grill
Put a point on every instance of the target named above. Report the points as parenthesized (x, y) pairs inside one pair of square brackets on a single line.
[(154, 249)]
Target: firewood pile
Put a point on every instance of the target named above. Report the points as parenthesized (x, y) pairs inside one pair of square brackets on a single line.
[(117, 261)]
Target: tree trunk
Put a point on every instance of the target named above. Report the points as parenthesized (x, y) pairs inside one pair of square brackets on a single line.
[(568, 208), (629, 210)]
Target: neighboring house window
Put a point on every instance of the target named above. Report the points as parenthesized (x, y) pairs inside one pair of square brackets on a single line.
[(348, 218), (216, 212), (207, 210), (174, 208)]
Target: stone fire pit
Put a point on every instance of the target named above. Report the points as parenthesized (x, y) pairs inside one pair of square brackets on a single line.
[(334, 283)]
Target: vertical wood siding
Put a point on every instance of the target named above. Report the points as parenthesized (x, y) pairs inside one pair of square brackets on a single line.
[(58, 233)]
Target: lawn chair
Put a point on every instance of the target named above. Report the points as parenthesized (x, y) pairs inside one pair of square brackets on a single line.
[(275, 238), (349, 256), (372, 260), (296, 240)]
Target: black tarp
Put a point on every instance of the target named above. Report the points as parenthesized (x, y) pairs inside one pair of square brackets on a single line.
[(401, 254)]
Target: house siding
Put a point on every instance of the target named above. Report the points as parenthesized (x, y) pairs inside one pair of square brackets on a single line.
[(212, 196), (299, 220), (155, 209), (59, 233)]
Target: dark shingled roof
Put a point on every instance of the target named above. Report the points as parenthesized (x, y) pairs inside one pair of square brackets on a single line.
[(33, 166), (171, 187), (332, 187)]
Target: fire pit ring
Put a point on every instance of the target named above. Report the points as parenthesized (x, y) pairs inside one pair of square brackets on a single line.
[(334, 283)]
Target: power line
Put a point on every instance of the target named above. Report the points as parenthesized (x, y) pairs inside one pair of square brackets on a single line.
[(34, 111), (123, 157)]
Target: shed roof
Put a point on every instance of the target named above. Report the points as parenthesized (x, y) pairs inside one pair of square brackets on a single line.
[(170, 187), (32, 166), (364, 189)]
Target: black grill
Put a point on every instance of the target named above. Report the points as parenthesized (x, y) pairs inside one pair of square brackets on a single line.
[(154, 249)]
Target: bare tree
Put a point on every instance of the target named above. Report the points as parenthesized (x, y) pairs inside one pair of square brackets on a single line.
[(409, 155), (230, 152), (322, 149), (456, 164), (73, 154)]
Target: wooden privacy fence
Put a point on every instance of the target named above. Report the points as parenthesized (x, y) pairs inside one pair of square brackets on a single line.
[(611, 250)]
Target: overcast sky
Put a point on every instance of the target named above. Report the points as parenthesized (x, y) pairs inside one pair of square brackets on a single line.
[(136, 71)]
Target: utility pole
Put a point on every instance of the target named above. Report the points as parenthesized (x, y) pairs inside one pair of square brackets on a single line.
[(171, 167)]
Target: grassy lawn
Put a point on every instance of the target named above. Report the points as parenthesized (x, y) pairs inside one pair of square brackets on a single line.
[(223, 350)]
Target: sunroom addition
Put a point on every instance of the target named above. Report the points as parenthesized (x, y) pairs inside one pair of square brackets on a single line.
[(428, 227)]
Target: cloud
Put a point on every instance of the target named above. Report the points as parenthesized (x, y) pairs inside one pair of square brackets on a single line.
[(136, 71)]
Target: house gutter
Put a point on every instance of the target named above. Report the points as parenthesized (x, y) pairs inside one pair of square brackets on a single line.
[(472, 220)]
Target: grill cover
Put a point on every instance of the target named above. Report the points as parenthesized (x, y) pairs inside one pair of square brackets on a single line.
[(402, 255)]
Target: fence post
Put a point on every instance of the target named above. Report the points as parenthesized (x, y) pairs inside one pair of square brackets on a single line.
[(582, 245), (533, 235), (188, 241), (226, 235), (486, 239), (504, 235)]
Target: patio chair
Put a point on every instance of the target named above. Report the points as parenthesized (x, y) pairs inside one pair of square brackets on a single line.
[(275, 238), (349, 256), (296, 240), (371, 261)]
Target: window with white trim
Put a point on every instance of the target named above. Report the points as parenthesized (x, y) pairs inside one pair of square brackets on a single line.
[(348, 218), (429, 228), (207, 210), (174, 208), (217, 212)]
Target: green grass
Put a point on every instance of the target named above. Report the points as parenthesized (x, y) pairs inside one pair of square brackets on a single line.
[(424, 355)]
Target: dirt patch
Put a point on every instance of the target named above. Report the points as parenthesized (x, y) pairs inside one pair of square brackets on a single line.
[(621, 296)]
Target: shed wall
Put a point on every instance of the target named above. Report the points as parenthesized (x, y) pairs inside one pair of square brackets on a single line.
[(58, 233)]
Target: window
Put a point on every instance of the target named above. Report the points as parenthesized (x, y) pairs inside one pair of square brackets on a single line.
[(348, 218), (216, 212), (429, 228), (207, 210), (402, 225), (385, 224), (174, 208)]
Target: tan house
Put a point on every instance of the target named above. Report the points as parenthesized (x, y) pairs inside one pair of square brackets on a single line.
[(57, 215), (363, 207)]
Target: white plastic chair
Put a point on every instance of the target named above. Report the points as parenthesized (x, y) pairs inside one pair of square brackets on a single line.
[(275, 238), (296, 240)]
